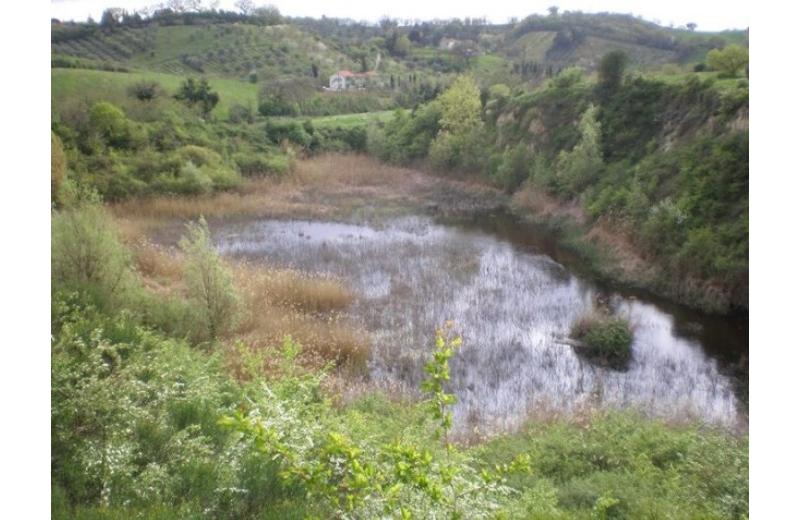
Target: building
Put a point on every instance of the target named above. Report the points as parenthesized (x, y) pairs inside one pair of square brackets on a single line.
[(348, 80)]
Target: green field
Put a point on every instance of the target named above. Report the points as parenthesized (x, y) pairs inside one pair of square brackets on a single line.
[(344, 120), (93, 85)]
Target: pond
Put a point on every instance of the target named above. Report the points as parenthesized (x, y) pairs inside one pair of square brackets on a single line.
[(512, 293)]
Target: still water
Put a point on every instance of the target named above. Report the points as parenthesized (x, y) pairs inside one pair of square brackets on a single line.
[(512, 294)]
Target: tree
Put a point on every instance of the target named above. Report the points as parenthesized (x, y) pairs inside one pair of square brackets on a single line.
[(402, 45), (553, 10), (111, 18), (729, 60), (459, 141), (691, 26), (209, 281), (194, 92), (246, 7), (575, 169), (461, 106), (269, 15), (611, 70)]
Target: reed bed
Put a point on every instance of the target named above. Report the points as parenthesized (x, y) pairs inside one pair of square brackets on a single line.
[(274, 303)]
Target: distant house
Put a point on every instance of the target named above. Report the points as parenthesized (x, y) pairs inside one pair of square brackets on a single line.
[(348, 80)]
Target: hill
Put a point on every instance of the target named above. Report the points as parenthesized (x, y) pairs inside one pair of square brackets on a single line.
[(535, 48)]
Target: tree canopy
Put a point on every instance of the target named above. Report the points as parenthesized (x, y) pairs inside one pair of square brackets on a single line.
[(461, 106), (611, 70), (730, 60)]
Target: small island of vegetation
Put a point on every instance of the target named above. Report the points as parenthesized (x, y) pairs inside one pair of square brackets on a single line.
[(603, 338)]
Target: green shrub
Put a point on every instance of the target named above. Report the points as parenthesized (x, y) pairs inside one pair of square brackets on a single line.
[(567, 77), (190, 180), (145, 90), (606, 338), (292, 131), (240, 114), (513, 168), (576, 169), (345, 139), (209, 281), (110, 124), (198, 93), (254, 164), (275, 105), (86, 252), (729, 60)]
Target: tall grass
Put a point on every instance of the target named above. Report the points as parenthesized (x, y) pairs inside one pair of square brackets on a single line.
[(274, 303), (309, 308), (338, 174)]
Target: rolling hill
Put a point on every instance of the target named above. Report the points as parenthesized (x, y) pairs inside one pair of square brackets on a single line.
[(536, 47)]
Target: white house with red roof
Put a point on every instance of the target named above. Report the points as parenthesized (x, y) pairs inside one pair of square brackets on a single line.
[(348, 80)]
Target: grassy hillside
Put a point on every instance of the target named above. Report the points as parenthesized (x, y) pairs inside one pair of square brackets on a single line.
[(73, 85), (259, 53), (580, 38), (244, 52)]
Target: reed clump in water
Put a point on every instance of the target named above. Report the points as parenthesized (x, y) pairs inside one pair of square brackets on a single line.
[(309, 308), (604, 338)]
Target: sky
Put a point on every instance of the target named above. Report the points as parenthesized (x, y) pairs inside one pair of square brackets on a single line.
[(709, 16)]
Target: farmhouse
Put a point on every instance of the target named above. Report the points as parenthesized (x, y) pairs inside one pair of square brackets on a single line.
[(348, 80)]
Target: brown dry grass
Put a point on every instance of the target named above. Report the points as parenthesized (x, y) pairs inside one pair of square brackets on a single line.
[(275, 303), (536, 201), (318, 187), (338, 175), (311, 309)]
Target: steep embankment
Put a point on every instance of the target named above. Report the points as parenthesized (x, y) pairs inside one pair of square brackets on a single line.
[(664, 204)]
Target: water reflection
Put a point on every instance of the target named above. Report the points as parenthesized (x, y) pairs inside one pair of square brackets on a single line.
[(510, 305)]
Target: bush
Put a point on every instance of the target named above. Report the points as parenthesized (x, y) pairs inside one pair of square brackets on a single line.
[(275, 105), (145, 90), (87, 254), (240, 114), (254, 164), (198, 93), (292, 131), (190, 180), (406, 137), (606, 339), (209, 281), (513, 168), (567, 77), (577, 168), (342, 139), (730, 60), (110, 124)]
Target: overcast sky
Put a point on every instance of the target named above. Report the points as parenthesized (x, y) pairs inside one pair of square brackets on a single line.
[(709, 16)]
